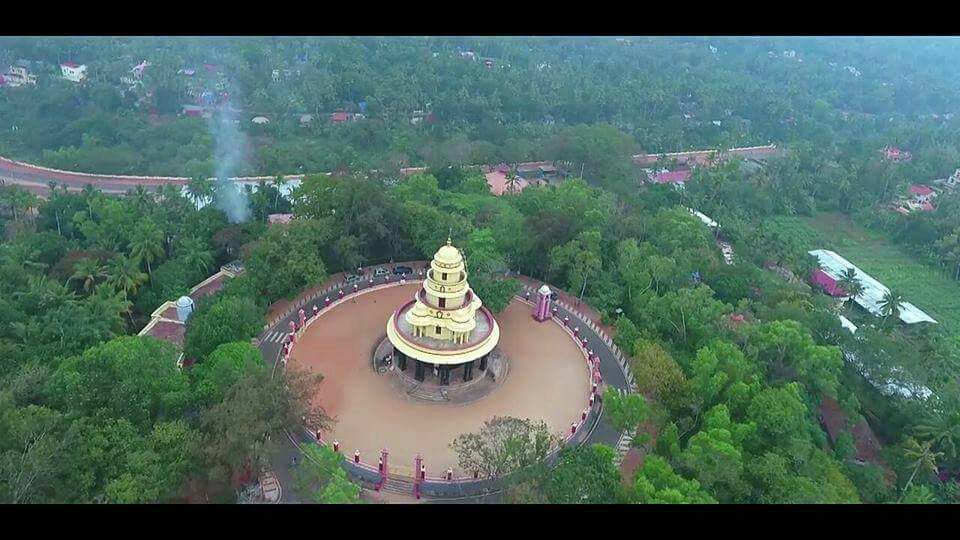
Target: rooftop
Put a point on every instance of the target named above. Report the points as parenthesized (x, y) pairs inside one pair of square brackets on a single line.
[(671, 177), (871, 298)]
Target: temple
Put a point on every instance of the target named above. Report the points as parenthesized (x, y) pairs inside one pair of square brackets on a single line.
[(445, 326)]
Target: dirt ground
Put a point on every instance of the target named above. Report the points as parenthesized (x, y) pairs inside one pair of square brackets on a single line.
[(548, 380)]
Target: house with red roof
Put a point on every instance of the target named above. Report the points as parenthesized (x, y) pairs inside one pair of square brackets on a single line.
[(339, 117), (677, 177), (892, 153), (921, 197), (168, 322), (281, 219)]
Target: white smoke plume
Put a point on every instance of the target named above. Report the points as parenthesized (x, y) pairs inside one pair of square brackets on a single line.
[(228, 158)]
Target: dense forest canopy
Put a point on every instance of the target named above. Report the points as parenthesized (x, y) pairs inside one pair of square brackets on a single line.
[(736, 361), (667, 93)]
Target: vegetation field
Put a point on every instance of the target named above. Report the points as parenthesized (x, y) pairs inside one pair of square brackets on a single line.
[(927, 288)]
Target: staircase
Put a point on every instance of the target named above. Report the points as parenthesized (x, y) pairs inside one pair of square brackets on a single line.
[(419, 392), (399, 485)]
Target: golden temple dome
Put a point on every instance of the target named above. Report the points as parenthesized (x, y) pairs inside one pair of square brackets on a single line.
[(448, 255)]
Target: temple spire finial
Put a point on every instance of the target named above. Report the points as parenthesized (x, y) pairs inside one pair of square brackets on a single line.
[(449, 235)]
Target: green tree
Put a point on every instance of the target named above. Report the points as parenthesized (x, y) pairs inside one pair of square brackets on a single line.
[(132, 377), (890, 305), (224, 319), (586, 475), (578, 260), (504, 445), (146, 243), (87, 271), (241, 431), (658, 483), (850, 283), (627, 411), (320, 478), (124, 275)]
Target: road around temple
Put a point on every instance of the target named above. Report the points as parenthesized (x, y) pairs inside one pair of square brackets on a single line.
[(613, 368)]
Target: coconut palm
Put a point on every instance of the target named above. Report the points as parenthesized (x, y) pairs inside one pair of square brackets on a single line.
[(279, 182), (943, 430), (110, 306), (124, 275), (200, 189), (890, 305), (147, 243), (921, 456), (850, 283), (88, 270), (194, 253), (141, 197)]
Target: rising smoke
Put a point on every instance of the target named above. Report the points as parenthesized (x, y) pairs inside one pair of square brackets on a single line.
[(228, 158)]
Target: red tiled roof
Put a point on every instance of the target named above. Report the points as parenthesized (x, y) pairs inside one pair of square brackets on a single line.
[(498, 182), (168, 331), (208, 288), (835, 421), (819, 277), (671, 177), (927, 207), (279, 218), (339, 117), (920, 189)]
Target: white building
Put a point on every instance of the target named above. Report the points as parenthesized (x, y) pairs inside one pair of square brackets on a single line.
[(871, 298), (73, 72), (18, 76)]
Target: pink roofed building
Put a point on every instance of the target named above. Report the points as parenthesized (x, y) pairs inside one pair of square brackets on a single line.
[(896, 154), (677, 177), (921, 193), (279, 218), (497, 180), (921, 198), (339, 117), (826, 283)]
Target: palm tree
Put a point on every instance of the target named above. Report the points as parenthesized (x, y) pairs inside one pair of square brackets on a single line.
[(87, 270), (890, 305), (850, 283), (279, 182), (200, 189), (922, 456), (110, 306), (147, 243), (195, 253), (943, 430), (141, 197), (124, 275)]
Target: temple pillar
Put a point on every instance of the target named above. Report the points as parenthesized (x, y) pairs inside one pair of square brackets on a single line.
[(541, 311), (401, 359), (444, 375), (468, 370), (419, 371), (483, 362)]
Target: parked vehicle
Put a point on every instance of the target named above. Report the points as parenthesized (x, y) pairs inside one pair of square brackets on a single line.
[(352, 278), (381, 271), (402, 270)]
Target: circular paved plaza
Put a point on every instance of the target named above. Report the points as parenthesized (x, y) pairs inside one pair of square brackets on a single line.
[(548, 380)]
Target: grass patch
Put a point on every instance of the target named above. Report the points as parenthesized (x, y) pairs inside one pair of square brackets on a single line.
[(923, 286)]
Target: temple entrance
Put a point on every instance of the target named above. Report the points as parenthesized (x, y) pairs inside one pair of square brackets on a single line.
[(441, 383)]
